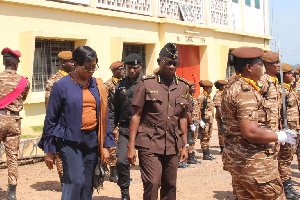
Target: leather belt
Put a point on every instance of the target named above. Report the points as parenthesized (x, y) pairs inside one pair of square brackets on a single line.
[(8, 112)]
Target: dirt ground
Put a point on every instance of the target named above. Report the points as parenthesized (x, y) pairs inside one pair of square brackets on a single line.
[(199, 182)]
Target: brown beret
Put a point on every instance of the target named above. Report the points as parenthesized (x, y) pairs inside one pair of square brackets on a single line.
[(115, 65), (155, 70), (247, 52), (206, 83), (222, 82), (270, 57), (297, 70), (286, 67), (65, 55), (191, 83)]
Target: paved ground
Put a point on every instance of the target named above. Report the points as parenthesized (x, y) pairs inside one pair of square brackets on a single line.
[(200, 182)]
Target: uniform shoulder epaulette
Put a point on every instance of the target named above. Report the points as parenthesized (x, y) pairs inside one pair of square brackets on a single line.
[(182, 79), (245, 87), (145, 77)]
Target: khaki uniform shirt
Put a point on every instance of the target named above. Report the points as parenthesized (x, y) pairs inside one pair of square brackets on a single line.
[(208, 114), (217, 100), (162, 108), (49, 85), (271, 101), (195, 110), (9, 79), (110, 86), (240, 103), (292, 109)]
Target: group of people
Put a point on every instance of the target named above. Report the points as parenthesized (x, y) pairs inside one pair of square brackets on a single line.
[(90, 122)]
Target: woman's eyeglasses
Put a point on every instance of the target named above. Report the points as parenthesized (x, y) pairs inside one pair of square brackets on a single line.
[(89, 69), (169, 63)]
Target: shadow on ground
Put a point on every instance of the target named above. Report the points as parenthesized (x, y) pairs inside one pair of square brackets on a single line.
[(47, 185), (223, 195)]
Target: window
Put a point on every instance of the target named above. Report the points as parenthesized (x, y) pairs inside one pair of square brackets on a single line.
[(230, 69), (139, 49), (236, 1), (248, 2), (257, 4), (46, 61)]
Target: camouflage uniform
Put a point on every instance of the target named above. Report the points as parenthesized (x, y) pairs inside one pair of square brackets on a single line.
[(217, 103), (207, 118), (49, 85), (252, 166), (195, 117), (10, 124), (287, 151), (297, 92), (270, 90), (110, 88)]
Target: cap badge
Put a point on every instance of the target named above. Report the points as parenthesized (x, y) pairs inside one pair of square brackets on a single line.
[(135, 62)]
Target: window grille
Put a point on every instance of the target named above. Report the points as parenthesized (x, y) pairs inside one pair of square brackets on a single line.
[(46, 61), (139, 49)]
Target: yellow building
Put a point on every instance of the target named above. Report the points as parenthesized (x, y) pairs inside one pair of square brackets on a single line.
[(205, 31)]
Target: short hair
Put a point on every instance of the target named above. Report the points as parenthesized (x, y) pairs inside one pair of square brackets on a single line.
[(239, 63), (84, 54), (10, 61)]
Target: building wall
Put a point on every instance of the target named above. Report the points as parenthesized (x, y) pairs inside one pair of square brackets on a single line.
[(106, 31)]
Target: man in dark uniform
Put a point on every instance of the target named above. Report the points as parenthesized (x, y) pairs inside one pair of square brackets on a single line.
[(118, 70), (158, 127), (122, 115), (13, 92)]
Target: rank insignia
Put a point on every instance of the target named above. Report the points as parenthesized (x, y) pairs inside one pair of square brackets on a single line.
[(153, 91), (183, 96)]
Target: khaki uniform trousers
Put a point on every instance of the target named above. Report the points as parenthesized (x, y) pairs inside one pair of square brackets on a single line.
[(205, 136), (220, 134), (10, 131), (112, 160), (195, 137), (285, 158)]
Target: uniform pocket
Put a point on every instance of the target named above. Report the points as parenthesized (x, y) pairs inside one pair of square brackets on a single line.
[(155, 101), (181, 105), (144, 136)]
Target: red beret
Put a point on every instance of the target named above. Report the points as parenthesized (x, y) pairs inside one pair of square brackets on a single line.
[(247, 52), (8, 50), (115, 65)]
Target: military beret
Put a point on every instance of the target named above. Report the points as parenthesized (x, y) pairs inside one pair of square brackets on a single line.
[(7, 52), (286, 67), (222, 82), (65, 55), (115, 65), (169, 50), (205, 83), (247, 52), (270, 57), (155, 70), (297, 70), (191, 83), (133, 59)]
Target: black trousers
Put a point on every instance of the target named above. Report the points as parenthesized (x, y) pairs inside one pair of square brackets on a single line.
[(123, 167)]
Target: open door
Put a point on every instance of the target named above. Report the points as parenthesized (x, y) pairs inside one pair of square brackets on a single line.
[(189, 68)]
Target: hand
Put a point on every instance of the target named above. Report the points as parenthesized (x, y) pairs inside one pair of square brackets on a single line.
[(131, 155), (288, 136), (50, 160), (184, 154), (193, 128), (105, 156), (202, 124)]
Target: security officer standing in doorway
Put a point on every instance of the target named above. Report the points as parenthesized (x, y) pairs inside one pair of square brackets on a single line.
[(158, 127), (13, 92), (122, 115)]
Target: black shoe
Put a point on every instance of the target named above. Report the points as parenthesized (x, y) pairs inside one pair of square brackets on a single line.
[(195, 159), (183, 165), (207, 155), (11, 192), (191, 160), (289, 181), (125, 194), (113, 177), (288, 192), (61, 179)]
